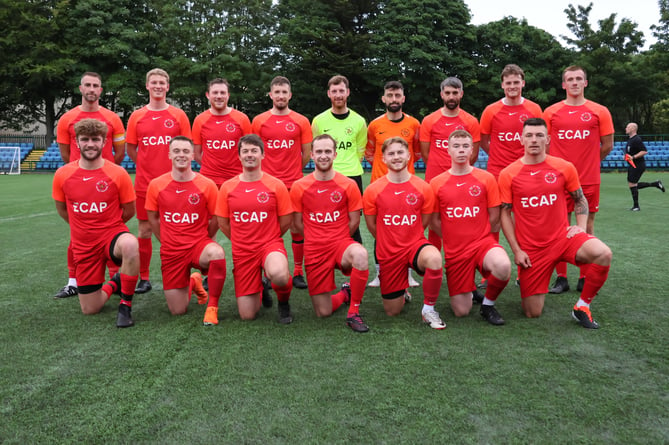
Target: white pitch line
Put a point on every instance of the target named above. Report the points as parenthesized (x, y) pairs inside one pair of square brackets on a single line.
[(20, 217)]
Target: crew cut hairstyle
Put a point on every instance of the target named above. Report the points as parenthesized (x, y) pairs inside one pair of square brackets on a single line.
[(574, 68), (534, 122), (452, 82), (393, 85)]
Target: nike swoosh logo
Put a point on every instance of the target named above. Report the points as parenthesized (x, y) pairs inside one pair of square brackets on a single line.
[(534, 173), (180, 191), (513, 114), (321, 191), (382, 132), (572, 112), (155, 118), (249, 190), (88, 179), (461, 184), (448, 125), (278, 122), (399, 193), (325, 131), (219, 122)]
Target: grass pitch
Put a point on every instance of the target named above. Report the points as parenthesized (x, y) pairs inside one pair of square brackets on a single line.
[(70, 378)]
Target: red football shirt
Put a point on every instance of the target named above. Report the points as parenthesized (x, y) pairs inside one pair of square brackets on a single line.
[(254, 209), (325, 206), (219, 137), (283, 137), (152, 132), (576, 133), (435, 129), (65, 131), (504, 124), (463, 203), (538, 199), (399, 210), (185, 209), (93, 199)]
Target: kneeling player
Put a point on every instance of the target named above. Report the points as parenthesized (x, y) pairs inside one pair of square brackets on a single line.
[(180, 206), (533, 188), (95, 197), (327, 211), (254, 211), (398, 208), (467, 207)]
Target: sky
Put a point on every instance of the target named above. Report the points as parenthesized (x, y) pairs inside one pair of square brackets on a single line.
[(549, 15)]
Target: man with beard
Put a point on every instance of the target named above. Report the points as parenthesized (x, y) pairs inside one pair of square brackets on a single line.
[(287, 138), (216, 133), (96, 198), (327, 210), (437, 127), (398, 207), (393, 123), (114, 149)]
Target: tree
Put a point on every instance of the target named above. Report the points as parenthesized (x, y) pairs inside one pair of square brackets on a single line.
[(420, 43), (537, 52)]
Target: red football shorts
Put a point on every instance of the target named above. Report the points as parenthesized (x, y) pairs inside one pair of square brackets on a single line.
[(591, 193), (461, 270), (393, 272), (176, 264), (535, 280), (248, 266), (320, 267), (90, 262)]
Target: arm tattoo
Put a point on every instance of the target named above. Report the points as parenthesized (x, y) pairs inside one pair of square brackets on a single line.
[(580, 202)]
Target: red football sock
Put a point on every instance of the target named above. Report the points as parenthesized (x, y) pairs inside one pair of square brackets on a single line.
[(584, 268), (128, 284), (358, 285), (109, 288), (298, 252), (338, 299), (495, 287), (434, 239), (283, 292), (495, 235), (113, 268), (561, 269), (217, 271), (71, 272), (145, 252), (431, 286), (597, 276)]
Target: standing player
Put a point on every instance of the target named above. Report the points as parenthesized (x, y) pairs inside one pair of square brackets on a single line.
[(438, 126), (327, 209), (287, 138), (534, 188), (150, 130), (397, 209), (216, 133), (394, 122), (502, 124), (581, 132), (467, 206), (180, 205), (346, 127), (114, 149), (635, 150), (95, 197), (254, 211)]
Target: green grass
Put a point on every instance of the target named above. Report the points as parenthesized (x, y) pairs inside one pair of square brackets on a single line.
[(70, 378)]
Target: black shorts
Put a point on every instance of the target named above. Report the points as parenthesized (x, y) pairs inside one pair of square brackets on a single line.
[(634, 174)]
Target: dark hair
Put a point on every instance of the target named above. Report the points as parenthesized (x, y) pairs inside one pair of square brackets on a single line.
[(218, 80), (511, 69), (393, 85), (251, 139), (534, 122), (91, 127), (182, 138)]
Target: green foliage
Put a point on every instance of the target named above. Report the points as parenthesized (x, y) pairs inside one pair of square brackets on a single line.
[(661, 116)]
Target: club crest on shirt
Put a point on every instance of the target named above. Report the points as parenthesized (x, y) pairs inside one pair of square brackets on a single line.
[(523, 117), (411, 199), (550, 178), (230, 128), (169, 123), (335, 196), (101, 186), (405, 132), (474, 190), (263, 197), (585, 117), (290, 127), (349, 131), (194, 198)]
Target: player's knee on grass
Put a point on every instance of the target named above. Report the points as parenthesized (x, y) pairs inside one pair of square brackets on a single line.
[(461, 304), (92, 303), (393, 306), (248, 306), (322, 305), (177, 300), (533, 305)]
